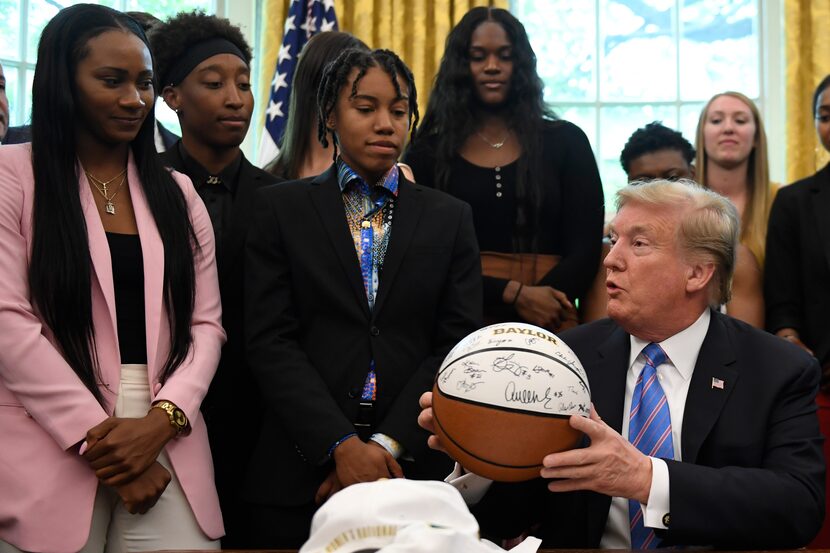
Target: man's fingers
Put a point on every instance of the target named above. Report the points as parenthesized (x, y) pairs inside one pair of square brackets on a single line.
[(425, 401), (435, 443)]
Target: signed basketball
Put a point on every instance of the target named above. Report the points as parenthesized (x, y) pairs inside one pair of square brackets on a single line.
[(502, 399)]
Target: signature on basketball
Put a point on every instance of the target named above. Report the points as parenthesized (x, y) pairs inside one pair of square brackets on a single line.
[(512, 394), (507, 364)]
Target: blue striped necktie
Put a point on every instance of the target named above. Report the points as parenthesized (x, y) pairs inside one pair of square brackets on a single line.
[(649, 429)]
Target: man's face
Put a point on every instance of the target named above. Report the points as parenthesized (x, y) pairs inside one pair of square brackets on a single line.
[(4, 105), (666, 164), (646, 275)]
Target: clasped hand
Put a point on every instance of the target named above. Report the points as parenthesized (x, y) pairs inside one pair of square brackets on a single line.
[(119, 449), (358, 461), (545, 306)]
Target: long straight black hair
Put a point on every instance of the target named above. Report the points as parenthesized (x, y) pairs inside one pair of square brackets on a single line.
[(60, 269), (319, 51), (451, 117)]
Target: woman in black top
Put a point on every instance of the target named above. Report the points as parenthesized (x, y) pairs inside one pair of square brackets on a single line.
[(488, 138)]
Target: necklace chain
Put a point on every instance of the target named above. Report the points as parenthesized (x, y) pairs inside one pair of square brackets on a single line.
[(495, 145), (103, 188)]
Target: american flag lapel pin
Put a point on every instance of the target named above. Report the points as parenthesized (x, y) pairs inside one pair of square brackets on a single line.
[(717, 383)]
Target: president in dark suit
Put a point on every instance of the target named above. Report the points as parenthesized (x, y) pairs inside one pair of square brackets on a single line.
[(723, 443)]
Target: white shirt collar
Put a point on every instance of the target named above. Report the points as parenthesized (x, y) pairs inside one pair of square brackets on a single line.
[(682, 349)]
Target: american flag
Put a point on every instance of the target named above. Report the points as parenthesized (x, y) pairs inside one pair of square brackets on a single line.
[(718, 383), (305, 19)]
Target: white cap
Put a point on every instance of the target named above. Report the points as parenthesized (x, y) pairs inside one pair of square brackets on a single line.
[(396, 516)]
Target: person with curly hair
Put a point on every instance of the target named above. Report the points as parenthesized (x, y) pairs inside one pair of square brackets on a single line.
[(358, 283), (204, 70), (532, 180), (109, 305)]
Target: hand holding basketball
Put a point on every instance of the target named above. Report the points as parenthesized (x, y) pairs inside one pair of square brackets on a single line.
[(610, 465), (426, 422)]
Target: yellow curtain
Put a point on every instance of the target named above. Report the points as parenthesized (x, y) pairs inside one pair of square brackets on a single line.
[(414, 29), (808, 61)]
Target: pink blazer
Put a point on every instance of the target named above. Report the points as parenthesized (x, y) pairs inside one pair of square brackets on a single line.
[(46, 491)]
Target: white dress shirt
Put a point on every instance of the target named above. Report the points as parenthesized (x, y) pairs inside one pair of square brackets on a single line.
[(675, 375)]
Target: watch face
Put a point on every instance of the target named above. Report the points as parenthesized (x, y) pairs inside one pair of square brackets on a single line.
[(179, 417)]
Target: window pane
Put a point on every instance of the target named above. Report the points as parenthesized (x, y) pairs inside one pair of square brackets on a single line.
[(166, 8), (689, 114), (11, 93), (40, 12), (638, 55), (617, 124), (563, 35), (10, 29), (27, 108), (718, 48), (582, 117)]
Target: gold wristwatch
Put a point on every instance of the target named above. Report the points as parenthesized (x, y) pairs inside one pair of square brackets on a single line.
[(178, 419)]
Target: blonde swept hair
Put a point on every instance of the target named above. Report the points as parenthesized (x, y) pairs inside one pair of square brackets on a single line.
[(756, 211), (708, 230)]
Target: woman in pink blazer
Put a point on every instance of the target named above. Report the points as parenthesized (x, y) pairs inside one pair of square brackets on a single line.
[(109, 311)]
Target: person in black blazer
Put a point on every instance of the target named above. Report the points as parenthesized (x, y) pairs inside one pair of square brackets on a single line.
[(325, 325), (797, 271), (204, 63), (744, 468)]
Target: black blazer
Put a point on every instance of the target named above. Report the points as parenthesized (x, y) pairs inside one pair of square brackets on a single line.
[(752, 474), (168, 137), (311, 336), (797, 267), (231, 435)]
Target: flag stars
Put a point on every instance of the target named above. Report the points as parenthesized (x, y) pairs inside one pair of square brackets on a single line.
[(328, 5), (310, 26), (274, 110), (289, 24), (328, 25), (285, 53), (280, 80)]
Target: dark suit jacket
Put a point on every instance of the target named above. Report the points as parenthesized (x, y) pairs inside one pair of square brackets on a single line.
[(797, 267), (168, 138), (18, 135), (752, 474), (231, 437), (311, 336)]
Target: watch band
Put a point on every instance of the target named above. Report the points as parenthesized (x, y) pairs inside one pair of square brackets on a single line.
[(178, 419)]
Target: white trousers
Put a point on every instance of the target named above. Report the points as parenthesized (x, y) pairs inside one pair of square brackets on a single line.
[(170, 524)]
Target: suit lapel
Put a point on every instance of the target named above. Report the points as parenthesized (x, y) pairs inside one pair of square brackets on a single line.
[(706, 396), (821, 207), (99, 249), (328, 201), (152, 252), (607, 379), (408, 208)]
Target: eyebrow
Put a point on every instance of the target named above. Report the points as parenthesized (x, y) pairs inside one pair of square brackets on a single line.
[(371, 98), (220, 69), (122, 71)]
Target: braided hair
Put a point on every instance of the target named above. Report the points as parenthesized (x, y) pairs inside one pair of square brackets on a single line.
[(336, 75)]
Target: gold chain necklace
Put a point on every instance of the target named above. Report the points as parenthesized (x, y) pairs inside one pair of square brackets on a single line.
[(495, 145), (103, 188)]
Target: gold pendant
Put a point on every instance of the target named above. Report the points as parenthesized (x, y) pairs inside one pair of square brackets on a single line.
[(110, 208)]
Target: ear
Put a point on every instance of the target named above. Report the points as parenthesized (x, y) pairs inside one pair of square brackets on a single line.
[(171, 97), (699, 275), (693, 172), (331, 122)]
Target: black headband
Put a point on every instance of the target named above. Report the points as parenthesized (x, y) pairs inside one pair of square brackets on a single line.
[(196, 55)]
